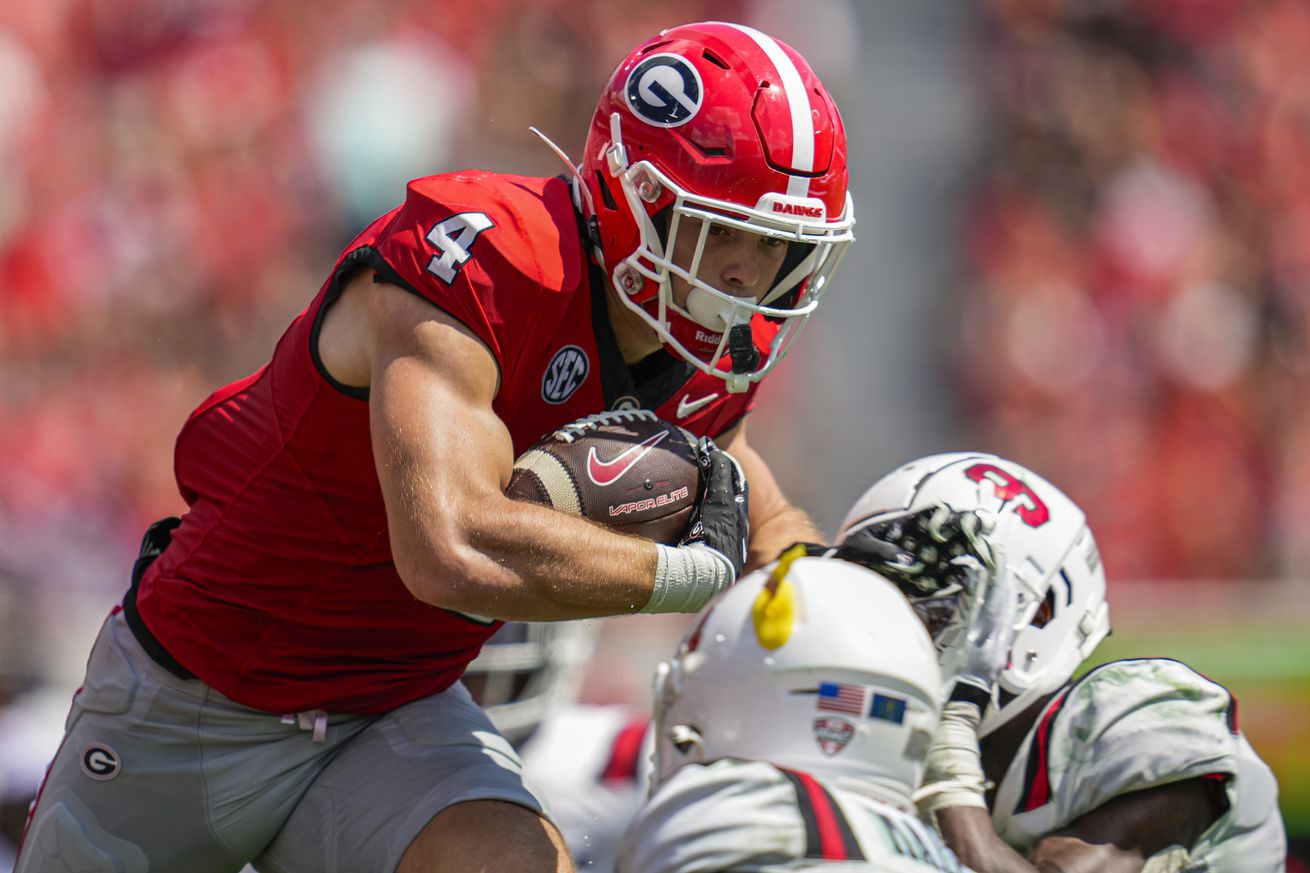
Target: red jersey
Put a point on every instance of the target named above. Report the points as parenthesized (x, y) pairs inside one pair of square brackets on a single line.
[(278, 589)]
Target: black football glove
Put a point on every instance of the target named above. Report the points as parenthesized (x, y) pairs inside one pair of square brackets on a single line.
[(920, 551), (720, 520), (812, 550)]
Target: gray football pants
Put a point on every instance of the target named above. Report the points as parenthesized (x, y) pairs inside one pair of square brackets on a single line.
[(167, 775)]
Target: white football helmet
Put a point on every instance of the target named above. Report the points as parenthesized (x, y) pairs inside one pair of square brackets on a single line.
[(525, 668), (814, 664), (1062, 612)]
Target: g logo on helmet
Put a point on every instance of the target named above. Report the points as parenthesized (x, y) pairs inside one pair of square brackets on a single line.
[(665, 90)]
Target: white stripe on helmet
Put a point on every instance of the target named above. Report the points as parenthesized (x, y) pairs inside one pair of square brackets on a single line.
[(802, 122)]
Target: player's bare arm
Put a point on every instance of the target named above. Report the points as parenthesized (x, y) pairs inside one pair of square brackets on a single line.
[(1116, 837), (1120, 835), (443, 459), (968, 831), (775, 521)]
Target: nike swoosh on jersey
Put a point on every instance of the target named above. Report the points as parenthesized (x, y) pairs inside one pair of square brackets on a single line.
[(688, 407), (608, 472)]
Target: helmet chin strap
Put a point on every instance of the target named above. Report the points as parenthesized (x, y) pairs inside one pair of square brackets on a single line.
[(741, 348)]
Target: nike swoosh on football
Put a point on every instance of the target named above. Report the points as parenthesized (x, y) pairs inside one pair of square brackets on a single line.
[(687, 407), (608, 472)]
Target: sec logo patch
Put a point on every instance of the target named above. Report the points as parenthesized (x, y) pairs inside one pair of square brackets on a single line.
[(564, 374)]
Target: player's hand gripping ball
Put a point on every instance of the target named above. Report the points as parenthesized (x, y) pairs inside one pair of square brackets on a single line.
[(629, 470)]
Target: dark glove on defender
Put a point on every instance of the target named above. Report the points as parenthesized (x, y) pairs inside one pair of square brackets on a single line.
[(918, 550), (720, 520)]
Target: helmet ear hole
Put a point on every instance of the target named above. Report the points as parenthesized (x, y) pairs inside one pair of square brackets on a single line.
[(661, 220), (605, 193), (687, 739), (1046, 611)]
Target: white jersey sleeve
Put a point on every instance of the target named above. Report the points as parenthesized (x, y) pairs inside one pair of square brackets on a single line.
[(751, 816), (1136, 724)]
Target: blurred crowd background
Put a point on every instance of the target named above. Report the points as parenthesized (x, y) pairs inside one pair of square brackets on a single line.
[(1136, 309), (1084, 244)]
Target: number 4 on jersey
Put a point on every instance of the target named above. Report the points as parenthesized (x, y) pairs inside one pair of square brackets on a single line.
[(453, 238)]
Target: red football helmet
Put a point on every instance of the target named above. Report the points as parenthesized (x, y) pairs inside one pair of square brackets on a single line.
[(708, 128)]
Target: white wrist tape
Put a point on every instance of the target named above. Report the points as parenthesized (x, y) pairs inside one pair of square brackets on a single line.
[(1171, 860), (687, 577), (954, 776)]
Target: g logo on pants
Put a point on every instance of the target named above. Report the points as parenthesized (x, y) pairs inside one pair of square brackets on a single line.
[(100, 762)]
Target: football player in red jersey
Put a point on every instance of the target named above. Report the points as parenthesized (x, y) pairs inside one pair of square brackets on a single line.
[(281, 680)]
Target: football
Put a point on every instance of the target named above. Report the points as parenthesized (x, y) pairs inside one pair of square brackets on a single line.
[(629, 470)]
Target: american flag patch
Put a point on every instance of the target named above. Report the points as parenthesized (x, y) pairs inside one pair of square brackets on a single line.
[(840, 697), (887, 708)]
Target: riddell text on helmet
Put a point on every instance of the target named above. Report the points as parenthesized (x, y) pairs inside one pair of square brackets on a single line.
[(649, 502)]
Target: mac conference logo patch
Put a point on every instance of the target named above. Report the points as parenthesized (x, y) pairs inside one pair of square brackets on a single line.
[(833, 734), (665, 90), (565, 372)]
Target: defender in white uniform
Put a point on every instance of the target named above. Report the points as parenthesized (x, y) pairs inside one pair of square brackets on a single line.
[(585, 760), (1130, 725), (1137, 766), (790, 730), (736, 815)]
